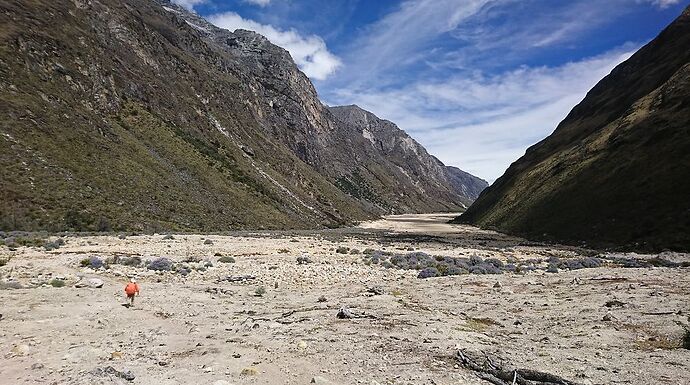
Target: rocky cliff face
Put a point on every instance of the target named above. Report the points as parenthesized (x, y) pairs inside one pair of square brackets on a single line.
[(140, 115), (428, 174), (616, 171)]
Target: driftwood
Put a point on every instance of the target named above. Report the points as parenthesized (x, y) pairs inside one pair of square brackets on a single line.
[(494, 370)]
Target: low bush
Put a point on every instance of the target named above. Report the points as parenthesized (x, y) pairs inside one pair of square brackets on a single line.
[(342, 250), (56, 282), (428, 272), (160, 264), (226, 259), (260, 291)]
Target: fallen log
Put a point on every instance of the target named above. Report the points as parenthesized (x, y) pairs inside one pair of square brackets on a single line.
[(496, 371)]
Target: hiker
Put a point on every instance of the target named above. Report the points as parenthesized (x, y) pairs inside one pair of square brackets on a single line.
[(131, 290)]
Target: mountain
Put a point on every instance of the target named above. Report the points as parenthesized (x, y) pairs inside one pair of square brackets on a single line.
[(616, 171), (139, 115), (429, 175)]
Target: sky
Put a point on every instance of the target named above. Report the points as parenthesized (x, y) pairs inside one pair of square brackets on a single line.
[(476, 82)]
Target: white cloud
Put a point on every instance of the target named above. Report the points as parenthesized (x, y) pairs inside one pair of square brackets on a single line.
[(483, 123), (188, 4), (309, 52), (662, 3), (260, 3)]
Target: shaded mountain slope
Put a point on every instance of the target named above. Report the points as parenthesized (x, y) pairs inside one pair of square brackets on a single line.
[(140, 115), (616, 171)]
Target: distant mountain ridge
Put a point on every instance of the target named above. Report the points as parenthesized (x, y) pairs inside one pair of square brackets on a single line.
[(139, 115), (616, 171)]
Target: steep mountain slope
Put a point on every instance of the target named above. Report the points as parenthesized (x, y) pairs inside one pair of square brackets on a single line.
[(139, 115), (616, 171), (428, 174)]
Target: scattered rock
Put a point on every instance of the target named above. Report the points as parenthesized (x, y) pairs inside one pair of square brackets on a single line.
[(208, 242), (376, 290), (345, 313), (497, 285), (249, 371), (95, 283), (614, 303), (109, 371), (37, 366), (321, 299)]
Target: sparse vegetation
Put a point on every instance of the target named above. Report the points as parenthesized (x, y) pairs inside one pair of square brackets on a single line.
[(260, 291), (56, 282), (160, 264), (226, 259), (92, 262), (342, 250)]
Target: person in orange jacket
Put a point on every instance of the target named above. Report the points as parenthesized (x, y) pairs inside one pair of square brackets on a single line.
[(131, 290)]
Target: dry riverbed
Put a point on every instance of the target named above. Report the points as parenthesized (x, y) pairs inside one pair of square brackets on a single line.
[(268, 319)]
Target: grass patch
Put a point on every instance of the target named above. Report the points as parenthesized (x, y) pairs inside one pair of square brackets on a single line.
[(56, 282)]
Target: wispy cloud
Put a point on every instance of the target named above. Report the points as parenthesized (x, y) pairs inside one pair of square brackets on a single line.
[(452, 73), (483, 123), (662, 3), (309, 52), (260, 3), (188, 4)]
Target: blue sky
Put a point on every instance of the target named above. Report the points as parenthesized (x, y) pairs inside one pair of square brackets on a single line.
[(474, 81)]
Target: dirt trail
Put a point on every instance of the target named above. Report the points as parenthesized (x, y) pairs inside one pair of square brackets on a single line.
[(582, 325)]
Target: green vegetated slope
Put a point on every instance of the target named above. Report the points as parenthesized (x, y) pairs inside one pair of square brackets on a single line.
[(137, 115), (616, 171)]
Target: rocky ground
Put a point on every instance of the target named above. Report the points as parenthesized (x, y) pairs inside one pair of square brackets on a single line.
[(268, 319)]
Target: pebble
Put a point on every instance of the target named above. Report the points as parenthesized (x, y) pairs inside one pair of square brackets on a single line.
[(249, 371)]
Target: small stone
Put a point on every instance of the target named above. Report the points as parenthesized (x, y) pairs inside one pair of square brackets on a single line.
[(37, 366), (345, 313), (116, 355), (497, 285), (302, 345), (249, 371), (608, 317)]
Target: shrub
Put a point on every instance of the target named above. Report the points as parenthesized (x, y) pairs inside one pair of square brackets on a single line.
[(553, 268), (133, 261), (476, 260), (342, 250), (160, 264), (429, 272), (454, 270), (260, 291), (477, 269), (56, 282), (54, 244), (226, 260), (354, 251), (92, 262), (4, 261), (494, 261), (368, 251)]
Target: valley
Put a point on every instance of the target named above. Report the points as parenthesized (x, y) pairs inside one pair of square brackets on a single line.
[(261, 308)]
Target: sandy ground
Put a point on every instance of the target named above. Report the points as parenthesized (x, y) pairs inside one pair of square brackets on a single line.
[(202, 329)]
